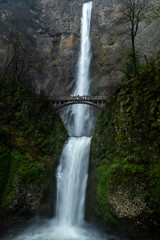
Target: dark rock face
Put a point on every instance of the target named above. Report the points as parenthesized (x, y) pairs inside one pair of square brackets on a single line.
[(27, 199), (57, 46)]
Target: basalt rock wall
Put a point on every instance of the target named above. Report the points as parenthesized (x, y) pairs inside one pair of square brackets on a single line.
[(57, 41)]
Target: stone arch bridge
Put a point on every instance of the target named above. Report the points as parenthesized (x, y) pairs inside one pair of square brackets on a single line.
[(95, 101)]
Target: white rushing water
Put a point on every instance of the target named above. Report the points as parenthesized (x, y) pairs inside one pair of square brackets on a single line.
[(72, 178), (78, 118), (72, 171), (83, 122)]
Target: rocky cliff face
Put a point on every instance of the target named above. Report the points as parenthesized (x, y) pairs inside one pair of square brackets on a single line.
[(57, 38), (110, 45)]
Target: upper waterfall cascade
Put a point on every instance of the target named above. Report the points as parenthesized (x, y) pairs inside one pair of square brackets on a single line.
[(79, 119)]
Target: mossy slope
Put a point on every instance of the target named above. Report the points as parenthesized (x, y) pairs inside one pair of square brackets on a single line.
[(31, 140), (124, 182)]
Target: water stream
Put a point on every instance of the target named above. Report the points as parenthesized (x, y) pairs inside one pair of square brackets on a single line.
[(78, 118), (72, 179), (72, 171)]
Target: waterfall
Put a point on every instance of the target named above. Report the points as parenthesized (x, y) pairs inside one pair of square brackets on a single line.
[(83, 122), (72, 172), (72, 179), (73, 168), (78, 118)]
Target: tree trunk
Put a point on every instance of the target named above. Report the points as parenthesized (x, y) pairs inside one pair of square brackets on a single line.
[(134, 56)]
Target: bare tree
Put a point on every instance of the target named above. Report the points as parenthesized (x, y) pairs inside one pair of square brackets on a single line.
[(133, 12), (18, 23), (17, 61)]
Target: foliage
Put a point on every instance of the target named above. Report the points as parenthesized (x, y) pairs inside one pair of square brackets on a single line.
[(31, 139), (4, 160), (126, 144), (102, 196), (129, 70)]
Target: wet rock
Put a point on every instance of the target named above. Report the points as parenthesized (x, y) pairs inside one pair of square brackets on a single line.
[(58, 40)]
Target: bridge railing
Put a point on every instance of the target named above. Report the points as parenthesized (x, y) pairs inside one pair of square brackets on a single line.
[(78, 97)]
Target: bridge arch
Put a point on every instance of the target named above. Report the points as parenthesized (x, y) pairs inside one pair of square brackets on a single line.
[(95, 101), (62, 105)]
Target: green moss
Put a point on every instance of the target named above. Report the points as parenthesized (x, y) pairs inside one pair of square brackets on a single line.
[(102, 207), (31, 139), (126, 144), (95, 81), (5, 162)]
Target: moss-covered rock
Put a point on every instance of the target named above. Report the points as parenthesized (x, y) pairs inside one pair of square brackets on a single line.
[(31, 140), (124, 182)]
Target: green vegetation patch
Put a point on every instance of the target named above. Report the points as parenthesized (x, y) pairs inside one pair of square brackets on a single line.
[(31, 140), (126, 144)]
